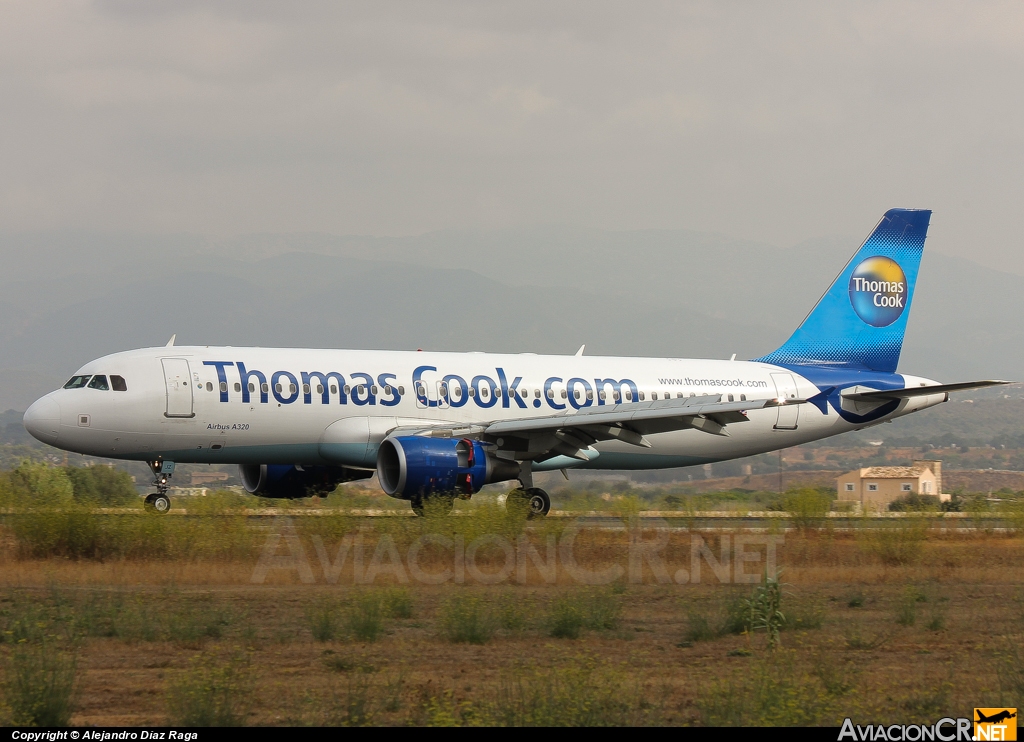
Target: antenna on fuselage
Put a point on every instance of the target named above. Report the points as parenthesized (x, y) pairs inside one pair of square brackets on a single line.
[(580, 351), (170, 343)]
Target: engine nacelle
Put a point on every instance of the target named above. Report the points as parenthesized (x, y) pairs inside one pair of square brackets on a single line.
[(286, 481), (412, 465)]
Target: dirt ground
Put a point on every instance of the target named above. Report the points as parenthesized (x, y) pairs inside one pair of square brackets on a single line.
[(894, 643)]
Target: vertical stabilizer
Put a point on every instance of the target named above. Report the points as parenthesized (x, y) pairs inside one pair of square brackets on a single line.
[(860, 321)]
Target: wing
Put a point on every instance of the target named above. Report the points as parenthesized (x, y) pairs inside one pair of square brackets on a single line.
[(572, 432), (919, 391)]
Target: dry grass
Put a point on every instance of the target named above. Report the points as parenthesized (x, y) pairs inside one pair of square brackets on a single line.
[(657, 652)]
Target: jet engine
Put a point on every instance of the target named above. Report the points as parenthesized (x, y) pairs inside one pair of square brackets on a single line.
[(411, 466), (287, 481)]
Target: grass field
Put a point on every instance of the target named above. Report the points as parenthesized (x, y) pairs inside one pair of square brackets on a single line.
[(898, 625)]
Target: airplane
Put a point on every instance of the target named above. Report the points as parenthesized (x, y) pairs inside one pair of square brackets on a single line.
[(435, 426)]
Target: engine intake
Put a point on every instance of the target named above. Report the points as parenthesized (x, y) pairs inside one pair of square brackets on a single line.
[(287, 481), (409, 466)]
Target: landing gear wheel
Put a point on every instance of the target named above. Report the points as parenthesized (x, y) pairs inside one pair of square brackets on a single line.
[(535, 500), (158, 503), (438, 504)]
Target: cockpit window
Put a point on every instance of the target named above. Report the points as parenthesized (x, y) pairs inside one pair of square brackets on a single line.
[(99, 382), (77, 382), (117, 384)]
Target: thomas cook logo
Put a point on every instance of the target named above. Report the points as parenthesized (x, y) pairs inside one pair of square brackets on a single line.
[(878, 291)]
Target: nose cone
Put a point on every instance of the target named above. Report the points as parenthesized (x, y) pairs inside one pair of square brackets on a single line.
[(42, 420)]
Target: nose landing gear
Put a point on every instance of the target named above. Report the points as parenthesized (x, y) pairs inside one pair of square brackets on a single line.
[(160, 501)]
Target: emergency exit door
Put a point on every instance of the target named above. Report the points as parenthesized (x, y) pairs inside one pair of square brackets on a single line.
[(785, 388), (178, 381)]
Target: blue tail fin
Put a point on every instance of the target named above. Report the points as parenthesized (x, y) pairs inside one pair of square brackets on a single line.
[(860, 321)]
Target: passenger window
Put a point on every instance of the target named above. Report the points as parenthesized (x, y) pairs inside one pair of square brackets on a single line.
[(730, 398), (743, 398), (564, 395), (603, 395), (291, 389), (252, 387), (629, 396), (641, 396), (209, 386), (590, 395), (238, 387), (373, 389), (277, 388), (576, 394), (387, 389), (223, 386), (348, 389), (305, 388), (99, 382), (334, 389), (117, 384), (401, 390), (472, 391), (319, 388), (77, 382), (264, 387)]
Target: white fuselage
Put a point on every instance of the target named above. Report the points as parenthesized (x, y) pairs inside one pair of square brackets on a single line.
[(194, 404)]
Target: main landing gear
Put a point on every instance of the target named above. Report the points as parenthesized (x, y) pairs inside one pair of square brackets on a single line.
[(533, 499), (160, 501)]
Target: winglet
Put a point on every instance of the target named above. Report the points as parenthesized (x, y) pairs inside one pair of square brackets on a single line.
[(170, 343), (580, 351)]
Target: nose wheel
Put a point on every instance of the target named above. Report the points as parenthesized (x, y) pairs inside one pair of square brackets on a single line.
[(158, 503)]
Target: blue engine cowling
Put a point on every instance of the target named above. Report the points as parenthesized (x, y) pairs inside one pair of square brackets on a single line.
[(411, 466), (286, 481)]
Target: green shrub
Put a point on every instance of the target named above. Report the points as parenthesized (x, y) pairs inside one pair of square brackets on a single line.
[(906, 609), (101, 485), (565, 618), (211, 692), (580, 694), (807, 506), (398, 603), (323, 621), (466, 619), (512, 614), (895, 544), (40, 684), (364, 617)]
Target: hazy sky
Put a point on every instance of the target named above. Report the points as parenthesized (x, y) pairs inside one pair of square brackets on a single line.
[(775, 122)]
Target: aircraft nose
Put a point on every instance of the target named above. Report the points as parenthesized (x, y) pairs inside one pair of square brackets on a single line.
[(42, 420)]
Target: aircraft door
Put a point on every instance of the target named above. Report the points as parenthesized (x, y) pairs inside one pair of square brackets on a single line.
[(178, 381), (785, 387)]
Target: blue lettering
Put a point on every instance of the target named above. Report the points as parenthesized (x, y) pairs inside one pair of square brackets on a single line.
[(384, 384), (293, 391), (588, 393), (549, 393), (463, 390), (244, 377), (509, 390), (370, 399), (420, 388), (492, 386), (616, 389), (222, 377), (324, 379)]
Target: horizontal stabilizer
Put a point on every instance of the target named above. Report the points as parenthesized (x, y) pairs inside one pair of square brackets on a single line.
[(920, 391)]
